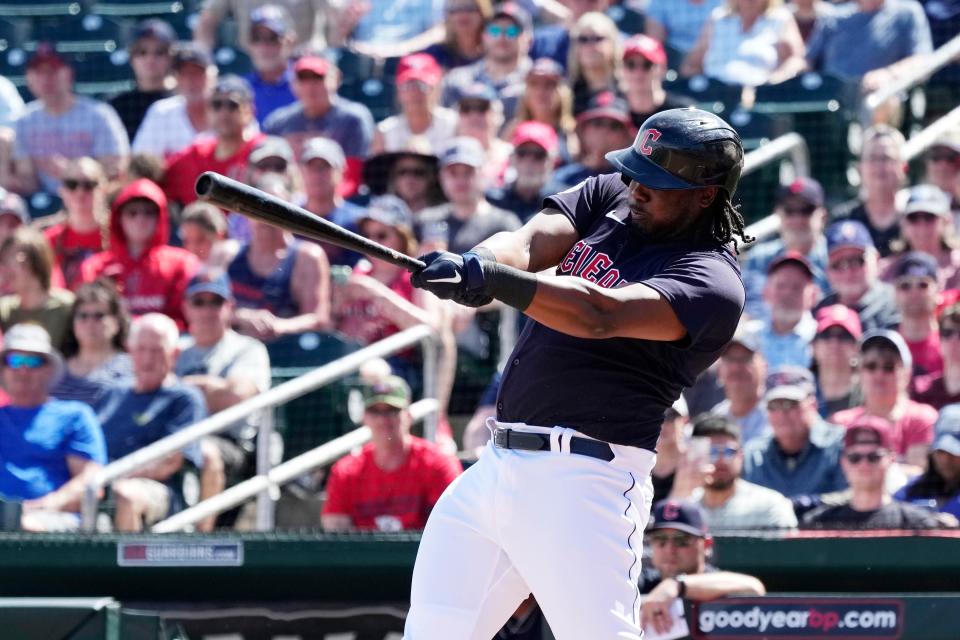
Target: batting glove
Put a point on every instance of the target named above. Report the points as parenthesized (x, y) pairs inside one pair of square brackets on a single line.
[(454, 277)]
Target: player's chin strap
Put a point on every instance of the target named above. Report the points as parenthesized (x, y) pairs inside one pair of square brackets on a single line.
[(507, 284)]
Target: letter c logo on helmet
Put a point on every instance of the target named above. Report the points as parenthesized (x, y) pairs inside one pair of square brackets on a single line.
[(644, 146)]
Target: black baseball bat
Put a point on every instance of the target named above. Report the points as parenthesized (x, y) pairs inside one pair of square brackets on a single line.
[(220, 190)]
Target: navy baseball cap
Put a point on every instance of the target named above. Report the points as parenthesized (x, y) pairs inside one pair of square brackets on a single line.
[(515, 12), (946, 431), (479, 91), (233, 85), (216, 283), (848, 234), (804, 188), (915, 264), (680, 515), (156, 29), (607, 105), (191, 53), (388, 210)]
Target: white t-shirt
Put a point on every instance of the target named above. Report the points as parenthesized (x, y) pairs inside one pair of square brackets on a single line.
[(744, 58), (396, 131), (166, 128)]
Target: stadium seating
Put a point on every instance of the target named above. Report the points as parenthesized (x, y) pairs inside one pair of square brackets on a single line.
[(40, 8), (102, 73), (709, 94), (80, 34)]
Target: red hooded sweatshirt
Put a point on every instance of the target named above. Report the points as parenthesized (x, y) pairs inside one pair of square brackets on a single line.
[(158, 278)]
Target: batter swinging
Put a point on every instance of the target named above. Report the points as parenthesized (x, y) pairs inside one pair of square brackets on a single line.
[(645, 295)]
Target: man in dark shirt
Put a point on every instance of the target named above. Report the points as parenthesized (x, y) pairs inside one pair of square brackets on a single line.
[(867, 455), (151, 60), (644, 295)]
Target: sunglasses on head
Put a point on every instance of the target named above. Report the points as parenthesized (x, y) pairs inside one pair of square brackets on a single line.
[(913, 283), (851, 262), (856, 458), (886, 367), (634, 63), (511, 32), (680, 540), (806, 211), (835, 334), (72, 184), (590, 38), (218, 104), (533, 154), (24, 361)]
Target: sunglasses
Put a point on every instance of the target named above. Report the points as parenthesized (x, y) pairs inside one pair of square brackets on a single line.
[(835, 334), (856, 458), (272, 165), (946, 334), (644, 64), (921, 216), (533, 154), (215, 302), (853, 262), (782, 405), (944, 156), (805, 211), (418, 86), (141, 52), (511, 32), (723, 452), (24, 361), (90, 315), (305, 76), (909, 283), (411, 172), (474, 107), (680, 541), (379, 236), (218, 104), (72, 184), (590, 39), (886, 367), (265, 38)]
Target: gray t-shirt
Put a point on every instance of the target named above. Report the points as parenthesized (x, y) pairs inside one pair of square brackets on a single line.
[(88, 128), (439, 223), (750, 507), (853, 42), (348, 123)]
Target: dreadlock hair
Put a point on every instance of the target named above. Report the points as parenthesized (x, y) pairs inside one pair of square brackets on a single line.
[(727, 221)]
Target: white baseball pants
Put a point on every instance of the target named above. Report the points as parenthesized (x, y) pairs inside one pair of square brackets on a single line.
[(566, 527)]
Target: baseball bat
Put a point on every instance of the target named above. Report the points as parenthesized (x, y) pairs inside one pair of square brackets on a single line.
[(252, 202)]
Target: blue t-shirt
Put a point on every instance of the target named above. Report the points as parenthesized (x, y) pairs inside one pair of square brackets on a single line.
[(397, 20), (617, 389), (132, 420), (349, 124), (35, 443), (268, 97), (682, 19)]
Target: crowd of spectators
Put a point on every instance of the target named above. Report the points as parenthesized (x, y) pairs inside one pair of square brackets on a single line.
[(136, 310)]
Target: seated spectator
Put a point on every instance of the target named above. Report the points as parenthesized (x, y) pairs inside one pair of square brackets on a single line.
[(801, 213), (150, 274), (273, 154), (748, 43), (941, 389), (867, 456), (671, 448), (535, 154), (420, 115), (309, 17), (95, 347), (151, 60), (203, 232), (927, 226), (319, 111), (464, 22), (890, 38), (480, 116), (153, 407), (741, 373), (680, 566), (227, 368), (13, 215), (885, 370), (79, 232), (644, 67), (411, 175), (942, 168), (713, 483), (678, 23), (281, 284), (595, 59), (227, 151), (172, 124), (939, 486), (852, 274), (50, 447), (408, 26), (392, 483), (789, 293), (883, 171), (467, 219), (810, 15), (917, 294), (272, 38), (800, 458), (553, 40), (604, 127), (835, 358), (505, 62), (547, 99), (28, 261), (85, 127)]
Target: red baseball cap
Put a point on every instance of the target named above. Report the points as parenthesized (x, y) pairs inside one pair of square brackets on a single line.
[(536, 132), (312, 64), (838, 315), (419, 66), (645, 46), (869, 429), (46, 54)]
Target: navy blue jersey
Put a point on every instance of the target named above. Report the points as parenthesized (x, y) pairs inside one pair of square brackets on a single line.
[(617, 389)]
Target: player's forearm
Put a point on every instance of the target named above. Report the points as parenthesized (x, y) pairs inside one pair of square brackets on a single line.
[(509, 248), (703, 587)]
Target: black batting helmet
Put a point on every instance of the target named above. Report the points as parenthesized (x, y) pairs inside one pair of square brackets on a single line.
[(683, 149)]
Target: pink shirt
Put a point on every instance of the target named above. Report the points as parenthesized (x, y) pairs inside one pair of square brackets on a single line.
[(914, 427)]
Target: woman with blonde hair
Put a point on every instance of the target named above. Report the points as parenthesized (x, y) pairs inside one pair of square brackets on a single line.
[(547, 99), (595, 59), (464, 22)]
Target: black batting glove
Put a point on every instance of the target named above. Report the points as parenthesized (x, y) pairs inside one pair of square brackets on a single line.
[(453, 277)]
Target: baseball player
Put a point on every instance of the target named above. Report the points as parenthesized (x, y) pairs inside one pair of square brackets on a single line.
[(645, 294)]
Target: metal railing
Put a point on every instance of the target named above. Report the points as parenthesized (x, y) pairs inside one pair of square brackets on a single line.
[(285, 392), (281, 474), (927, 138), (790, 145)]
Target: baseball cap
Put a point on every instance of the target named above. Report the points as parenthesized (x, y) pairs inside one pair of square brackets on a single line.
[(217, 283), (233, 85), (388, 210), (891, 339), (515, 12), (838, 315), (546, 67), (312, 64), (791, 257), (463, 150), (273, 17), (32, 338), (271, 147), (479, 91), (868, 429), (191, 53), (926, 198), (946, 431), (606, 104), (916, 264), (46, 54), (156, 29), (747, 335), (419, 66), (680, 515), (646, 47), (848, 234), (323, 149), (789, 382), (12, 204), (538, 133), (805, 188), (392, 391)]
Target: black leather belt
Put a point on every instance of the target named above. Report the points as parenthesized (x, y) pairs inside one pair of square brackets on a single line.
[(511, 439)]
